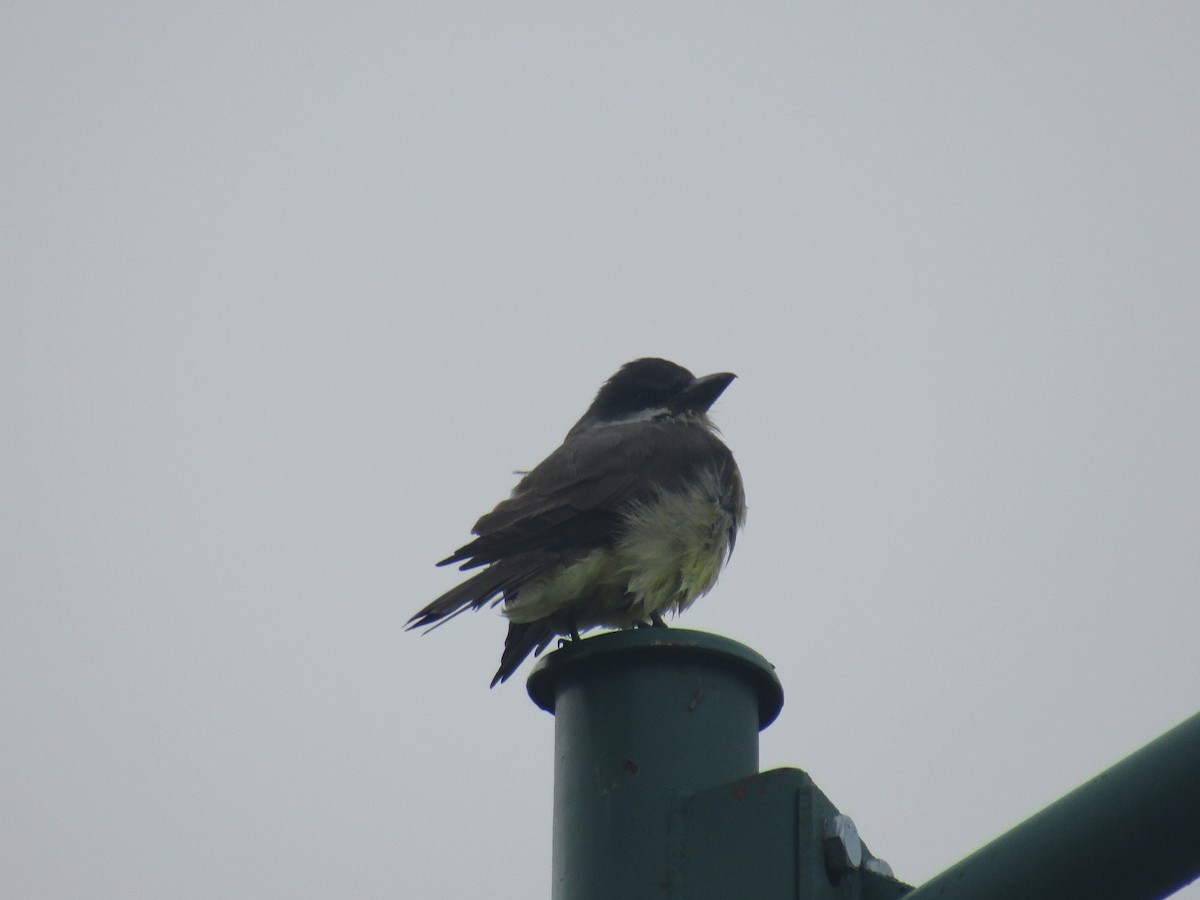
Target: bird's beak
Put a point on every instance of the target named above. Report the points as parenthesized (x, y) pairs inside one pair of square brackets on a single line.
[(702, 393)]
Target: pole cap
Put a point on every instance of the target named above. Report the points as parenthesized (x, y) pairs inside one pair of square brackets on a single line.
[(663, 643)]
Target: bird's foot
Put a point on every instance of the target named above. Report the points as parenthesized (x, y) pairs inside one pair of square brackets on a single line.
[(572, 631), (656, 621)]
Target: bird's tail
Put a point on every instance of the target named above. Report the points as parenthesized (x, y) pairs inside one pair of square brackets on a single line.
[(523, 638)]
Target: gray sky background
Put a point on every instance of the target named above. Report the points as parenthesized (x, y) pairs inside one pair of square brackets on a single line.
[(289, 291)]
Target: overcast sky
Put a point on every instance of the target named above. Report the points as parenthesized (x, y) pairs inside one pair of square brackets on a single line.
[(289, 291)]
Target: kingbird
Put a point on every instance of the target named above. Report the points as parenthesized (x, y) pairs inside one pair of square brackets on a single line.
[(633, 516)]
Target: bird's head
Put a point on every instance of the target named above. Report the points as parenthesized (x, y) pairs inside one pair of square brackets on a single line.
[(652, 388)]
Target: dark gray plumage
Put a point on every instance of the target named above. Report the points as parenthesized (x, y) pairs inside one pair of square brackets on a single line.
[(631, 517)]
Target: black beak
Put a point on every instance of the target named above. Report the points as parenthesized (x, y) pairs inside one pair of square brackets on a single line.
[(702, 393)]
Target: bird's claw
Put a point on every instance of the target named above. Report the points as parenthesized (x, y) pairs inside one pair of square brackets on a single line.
[(570, 638)]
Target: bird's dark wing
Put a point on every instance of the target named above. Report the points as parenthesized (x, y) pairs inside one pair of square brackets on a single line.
[(565, 502), (575, 497)]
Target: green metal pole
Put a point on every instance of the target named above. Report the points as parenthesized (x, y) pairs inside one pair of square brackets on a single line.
[(643, 717), (1131, 833)]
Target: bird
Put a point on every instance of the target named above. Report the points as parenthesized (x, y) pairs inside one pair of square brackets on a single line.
[(633, 516)]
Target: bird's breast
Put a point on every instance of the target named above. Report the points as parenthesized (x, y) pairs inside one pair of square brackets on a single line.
[(673, 547)]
